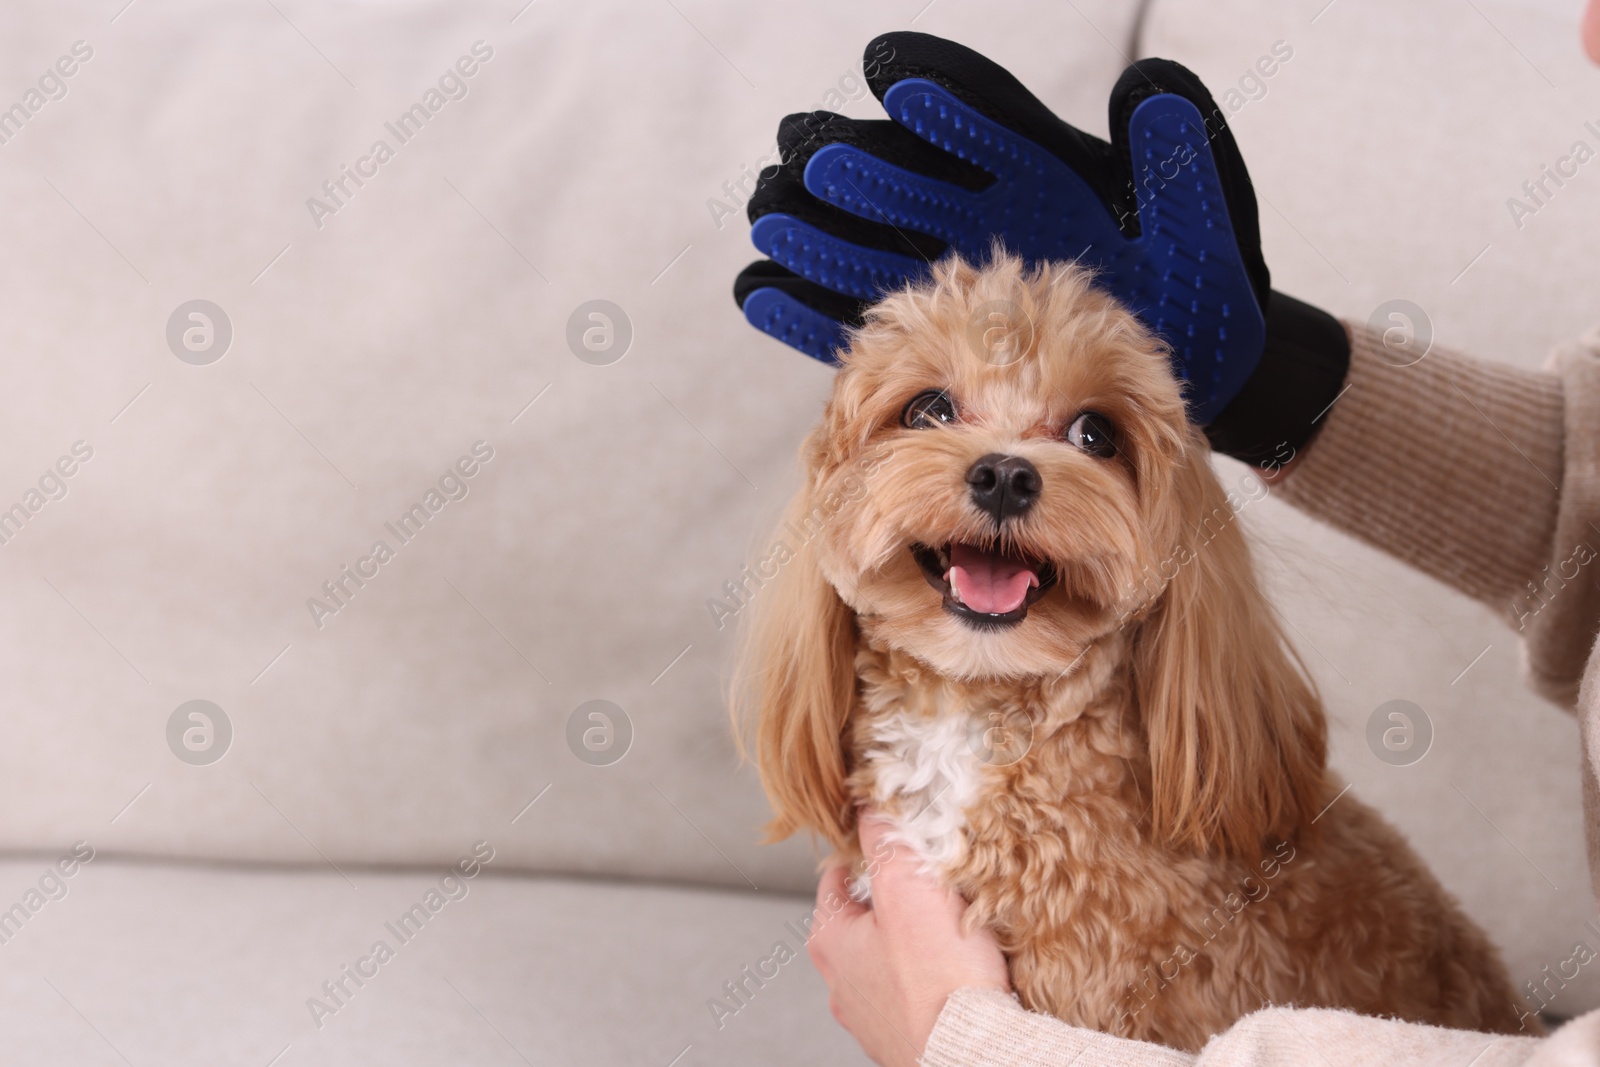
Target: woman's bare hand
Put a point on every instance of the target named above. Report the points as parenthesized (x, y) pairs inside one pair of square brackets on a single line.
[(891, 965)]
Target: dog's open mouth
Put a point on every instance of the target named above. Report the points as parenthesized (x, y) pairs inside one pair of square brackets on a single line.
[(985, 586)]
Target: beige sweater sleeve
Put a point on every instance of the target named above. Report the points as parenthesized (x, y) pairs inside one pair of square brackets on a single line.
[(987, 1028), (1488, 478), (1450, 464)]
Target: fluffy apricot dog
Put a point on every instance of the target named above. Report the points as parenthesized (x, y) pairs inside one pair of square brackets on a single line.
[(1023, 623)]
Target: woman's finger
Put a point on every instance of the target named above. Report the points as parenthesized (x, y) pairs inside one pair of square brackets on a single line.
[(901, 889), (833, 915), (833, 887)]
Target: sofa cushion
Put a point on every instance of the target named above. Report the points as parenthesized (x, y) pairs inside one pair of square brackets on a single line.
[(204, 964)]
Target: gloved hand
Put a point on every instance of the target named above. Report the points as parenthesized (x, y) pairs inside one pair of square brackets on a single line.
[(1166, 214)]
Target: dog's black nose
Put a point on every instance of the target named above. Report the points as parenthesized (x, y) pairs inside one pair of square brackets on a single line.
[(1004, 486)]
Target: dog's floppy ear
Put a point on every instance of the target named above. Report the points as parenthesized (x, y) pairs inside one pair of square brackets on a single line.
[(1237, 737), (797, 678)]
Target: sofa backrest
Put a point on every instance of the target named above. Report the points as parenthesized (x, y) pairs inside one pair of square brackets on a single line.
[(404, 213)]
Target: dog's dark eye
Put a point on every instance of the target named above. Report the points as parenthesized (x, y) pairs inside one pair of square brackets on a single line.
[(1093, 433), (928, 409)]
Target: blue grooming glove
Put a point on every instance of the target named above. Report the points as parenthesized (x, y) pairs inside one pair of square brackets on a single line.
[(1165, 214)]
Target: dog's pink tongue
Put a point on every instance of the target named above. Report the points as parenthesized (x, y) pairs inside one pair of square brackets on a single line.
[(989, 582)]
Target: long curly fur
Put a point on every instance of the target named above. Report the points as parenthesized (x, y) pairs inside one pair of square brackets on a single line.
[(1129, 784)]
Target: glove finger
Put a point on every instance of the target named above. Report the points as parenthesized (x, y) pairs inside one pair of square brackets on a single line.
[(801, 136), (875, 170), (799, 313), (1210, 142), (765, 274), (866, 186), (1196, 291), (832, 262), (796, 324), (782, 189), (973, 108)]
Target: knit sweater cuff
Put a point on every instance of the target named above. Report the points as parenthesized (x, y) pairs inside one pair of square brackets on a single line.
[(1449, 464), (1321, 1035), (1558, 616), (988, 1028)]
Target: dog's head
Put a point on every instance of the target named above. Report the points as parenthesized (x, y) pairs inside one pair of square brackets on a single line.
[(1004, 476)]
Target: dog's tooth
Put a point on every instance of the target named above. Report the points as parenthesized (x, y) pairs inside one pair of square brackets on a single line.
[(955, 590)]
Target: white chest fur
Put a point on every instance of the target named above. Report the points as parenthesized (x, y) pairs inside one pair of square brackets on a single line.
[(926, 773), (933, 751)]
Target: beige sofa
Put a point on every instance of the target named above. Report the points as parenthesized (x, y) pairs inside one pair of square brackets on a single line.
[(408, 358)]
